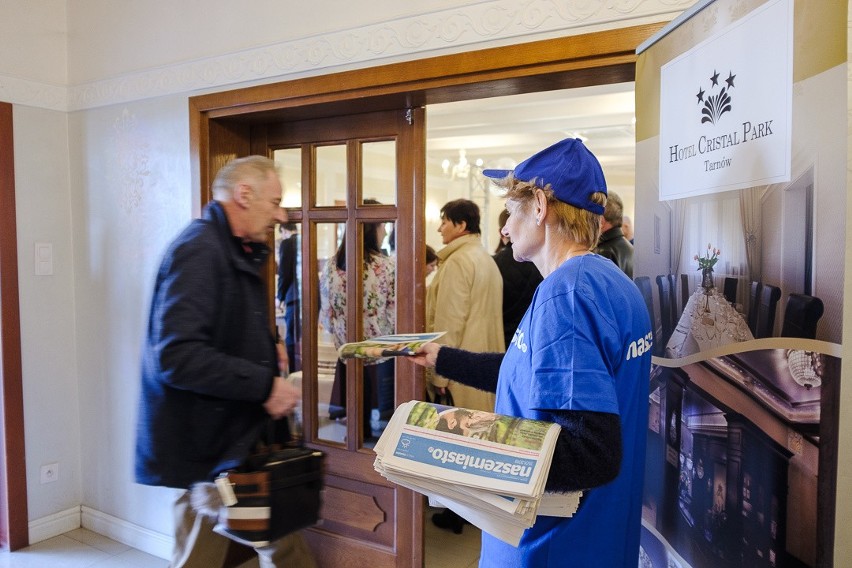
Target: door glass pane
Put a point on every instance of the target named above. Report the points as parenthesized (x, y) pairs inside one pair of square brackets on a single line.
[(289, 162), (378, 278), (331, 175), (379, 307), (288, 291), (378, 171), (331, 333)]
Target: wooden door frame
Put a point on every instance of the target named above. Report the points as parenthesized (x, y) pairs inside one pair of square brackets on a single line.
[(13, 474), (221, 123)]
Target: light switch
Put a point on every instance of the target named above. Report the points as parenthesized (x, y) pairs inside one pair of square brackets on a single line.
[(44, 259)]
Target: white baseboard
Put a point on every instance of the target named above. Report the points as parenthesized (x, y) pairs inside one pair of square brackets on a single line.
[(146, 540), (54, 525)]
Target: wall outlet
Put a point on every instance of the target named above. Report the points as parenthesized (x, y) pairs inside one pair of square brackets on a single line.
[(50, 472)]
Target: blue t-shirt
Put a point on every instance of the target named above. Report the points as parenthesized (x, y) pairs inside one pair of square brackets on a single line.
[(584, 344)]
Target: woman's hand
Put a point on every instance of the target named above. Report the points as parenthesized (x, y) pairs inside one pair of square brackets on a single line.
[(426, 355)]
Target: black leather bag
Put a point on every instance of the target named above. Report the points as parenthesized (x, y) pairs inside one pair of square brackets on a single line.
[(278, 491)]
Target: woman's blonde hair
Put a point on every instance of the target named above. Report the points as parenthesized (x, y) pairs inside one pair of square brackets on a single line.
[(581, 226)]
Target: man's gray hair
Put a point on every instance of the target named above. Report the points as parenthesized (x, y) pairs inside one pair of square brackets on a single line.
[(252, 169), (614, 209)]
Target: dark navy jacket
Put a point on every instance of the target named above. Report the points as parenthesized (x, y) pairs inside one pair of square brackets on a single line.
[(209, 358)]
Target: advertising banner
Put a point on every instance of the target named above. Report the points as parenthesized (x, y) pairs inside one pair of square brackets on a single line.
[(740, 202)]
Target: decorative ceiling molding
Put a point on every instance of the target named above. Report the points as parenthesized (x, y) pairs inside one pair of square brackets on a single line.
[(481, 25), (33, 93)]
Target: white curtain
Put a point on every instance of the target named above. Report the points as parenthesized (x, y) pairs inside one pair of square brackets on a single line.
[(714, 220), (750, 214)]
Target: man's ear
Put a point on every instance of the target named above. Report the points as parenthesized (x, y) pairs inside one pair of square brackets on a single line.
[(243, 194)]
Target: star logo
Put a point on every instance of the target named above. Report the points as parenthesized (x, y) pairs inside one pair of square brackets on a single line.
[(715, 104)]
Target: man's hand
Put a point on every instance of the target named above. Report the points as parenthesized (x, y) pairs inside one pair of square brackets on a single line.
[(283, 399)]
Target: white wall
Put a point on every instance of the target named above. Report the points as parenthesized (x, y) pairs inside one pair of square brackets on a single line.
[(48, 350), (130, 179)]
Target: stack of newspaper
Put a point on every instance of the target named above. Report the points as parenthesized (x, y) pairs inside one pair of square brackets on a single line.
[(489, 468)]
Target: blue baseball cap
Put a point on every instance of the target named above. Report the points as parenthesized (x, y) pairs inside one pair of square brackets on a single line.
[(572, 171)]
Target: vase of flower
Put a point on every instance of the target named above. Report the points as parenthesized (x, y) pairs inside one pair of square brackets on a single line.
[(707, 279), (706, 263)]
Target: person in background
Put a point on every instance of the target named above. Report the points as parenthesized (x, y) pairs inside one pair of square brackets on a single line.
[(211, 370), (379, 306), (465, 300), (627, 227), (581, 357), (287, 292), (520, 279), (612, 244), (431, 260)]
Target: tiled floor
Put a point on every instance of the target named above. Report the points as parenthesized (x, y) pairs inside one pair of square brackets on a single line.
[(447, 550), (82, 548), (79, 548)]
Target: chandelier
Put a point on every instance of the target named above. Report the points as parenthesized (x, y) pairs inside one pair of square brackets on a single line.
[(461, 169), (805, 367)]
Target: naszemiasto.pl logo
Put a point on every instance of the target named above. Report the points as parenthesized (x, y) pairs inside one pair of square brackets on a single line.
[(713, 105)]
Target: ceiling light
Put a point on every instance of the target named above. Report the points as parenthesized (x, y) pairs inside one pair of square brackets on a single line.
[(805, 367)]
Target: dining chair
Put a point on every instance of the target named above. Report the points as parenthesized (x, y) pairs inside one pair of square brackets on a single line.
[(664, 290), (644, 285), (753, 303), (684, 291), (765, 324), (676, 309), (801, 315), (730, 289)]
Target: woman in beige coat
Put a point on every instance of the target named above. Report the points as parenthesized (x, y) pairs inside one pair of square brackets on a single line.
[(465, 298)]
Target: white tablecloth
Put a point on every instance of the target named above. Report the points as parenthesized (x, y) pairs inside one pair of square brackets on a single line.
[(708, 321)]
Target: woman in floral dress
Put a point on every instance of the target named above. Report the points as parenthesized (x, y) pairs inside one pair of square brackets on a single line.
[(379, 306)]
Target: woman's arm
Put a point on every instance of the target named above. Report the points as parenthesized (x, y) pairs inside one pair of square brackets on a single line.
[(477, 370), (588, 450)]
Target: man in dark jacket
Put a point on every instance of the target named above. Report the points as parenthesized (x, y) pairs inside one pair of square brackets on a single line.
[(612, 244), (287, 292), (210, 367)]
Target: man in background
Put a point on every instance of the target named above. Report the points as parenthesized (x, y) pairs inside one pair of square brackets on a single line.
[(211, 370), (627, 228), (612, 244), (287, 293)]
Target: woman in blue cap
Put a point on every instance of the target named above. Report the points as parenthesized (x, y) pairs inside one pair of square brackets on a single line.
[(580, 357)]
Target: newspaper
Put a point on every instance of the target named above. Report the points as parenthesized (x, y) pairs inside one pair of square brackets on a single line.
[(387, 345), (489, 468)]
